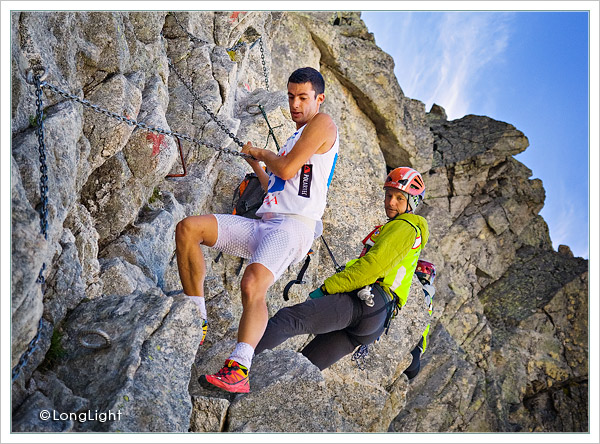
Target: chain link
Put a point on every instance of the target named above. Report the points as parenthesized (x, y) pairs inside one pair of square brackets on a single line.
[(43, 167), (35, 79), (190, 35), (204, 107), (31, 348), (134, 123), (262, 56), (235, 47)]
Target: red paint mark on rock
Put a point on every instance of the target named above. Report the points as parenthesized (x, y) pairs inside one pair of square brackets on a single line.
[(157, 141), (234, 16)]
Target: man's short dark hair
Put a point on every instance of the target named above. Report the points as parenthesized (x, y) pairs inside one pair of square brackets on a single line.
[(308, 74)]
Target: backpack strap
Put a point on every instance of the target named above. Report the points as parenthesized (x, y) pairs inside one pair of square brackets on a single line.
[(417, 231)]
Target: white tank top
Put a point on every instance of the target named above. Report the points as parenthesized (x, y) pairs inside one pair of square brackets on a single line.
[(305, 194)]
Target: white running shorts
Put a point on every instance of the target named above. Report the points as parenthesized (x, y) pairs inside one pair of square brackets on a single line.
[(276, 242)]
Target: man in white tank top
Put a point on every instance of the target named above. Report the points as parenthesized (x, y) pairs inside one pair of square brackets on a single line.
[(297, 182)]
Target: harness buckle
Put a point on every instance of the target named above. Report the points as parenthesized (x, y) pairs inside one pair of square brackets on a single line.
[(364, 294)]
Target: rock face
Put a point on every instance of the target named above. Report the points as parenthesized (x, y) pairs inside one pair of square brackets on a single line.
[(508, 342)]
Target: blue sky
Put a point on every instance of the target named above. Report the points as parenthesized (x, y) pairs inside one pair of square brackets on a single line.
[(527, 68)]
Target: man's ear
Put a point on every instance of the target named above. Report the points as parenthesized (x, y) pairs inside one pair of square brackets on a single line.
[(321, 98)]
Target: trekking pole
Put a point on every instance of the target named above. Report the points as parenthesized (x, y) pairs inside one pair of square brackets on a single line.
[(338, 268)]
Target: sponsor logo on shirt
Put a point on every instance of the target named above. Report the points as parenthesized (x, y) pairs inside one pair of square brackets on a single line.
[(305, 181)]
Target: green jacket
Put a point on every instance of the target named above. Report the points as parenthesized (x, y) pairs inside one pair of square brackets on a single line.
[(391, 260)]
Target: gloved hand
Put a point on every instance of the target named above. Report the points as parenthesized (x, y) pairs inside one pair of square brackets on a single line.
[(318, 293)]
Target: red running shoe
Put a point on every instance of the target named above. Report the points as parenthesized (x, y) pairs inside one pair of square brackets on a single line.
[(233, 377)]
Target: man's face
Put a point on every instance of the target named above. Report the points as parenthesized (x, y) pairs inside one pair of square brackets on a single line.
[(395, 202), (304, 102)]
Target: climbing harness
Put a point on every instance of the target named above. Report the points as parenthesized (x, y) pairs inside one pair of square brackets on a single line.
[(361, 354), (88, 339)]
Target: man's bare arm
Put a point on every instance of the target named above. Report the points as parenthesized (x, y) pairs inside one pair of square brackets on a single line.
[(263, 177), (318, 137)]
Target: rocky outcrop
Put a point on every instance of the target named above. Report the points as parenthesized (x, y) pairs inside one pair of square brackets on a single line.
[(508, 343)]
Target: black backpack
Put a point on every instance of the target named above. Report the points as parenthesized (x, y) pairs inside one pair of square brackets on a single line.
[(248, 197)]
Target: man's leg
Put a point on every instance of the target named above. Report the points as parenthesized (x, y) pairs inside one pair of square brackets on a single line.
[(189, 234), (233, 377), (279, 242), (313, 316), (325, 350), (255, 282)]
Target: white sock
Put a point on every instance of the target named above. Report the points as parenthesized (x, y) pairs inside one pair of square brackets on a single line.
[(243, 354), (199, 301)]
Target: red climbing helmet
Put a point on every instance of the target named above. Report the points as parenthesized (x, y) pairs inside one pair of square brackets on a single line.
[(425, 271), (409, 181)]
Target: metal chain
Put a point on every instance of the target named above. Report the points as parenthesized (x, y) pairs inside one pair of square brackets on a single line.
[(203, 105), (190, 35), (33, 344), (43, 167), (262, 56), (32, 347), (39, 85), (143, 125), (235, 47)]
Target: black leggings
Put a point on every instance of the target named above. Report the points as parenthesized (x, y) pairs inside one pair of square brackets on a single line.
[(340, 322)]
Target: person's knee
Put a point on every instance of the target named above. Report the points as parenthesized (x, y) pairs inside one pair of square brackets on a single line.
[(256, 281), (196, 229), (252, 289), (184, 230)]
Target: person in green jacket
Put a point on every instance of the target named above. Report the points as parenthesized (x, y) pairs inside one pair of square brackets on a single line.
[(354, 307)]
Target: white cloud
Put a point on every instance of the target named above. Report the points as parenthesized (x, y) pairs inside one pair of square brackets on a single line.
[(441, 55)]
